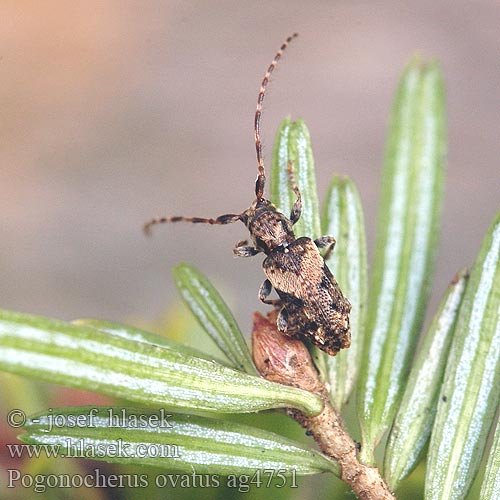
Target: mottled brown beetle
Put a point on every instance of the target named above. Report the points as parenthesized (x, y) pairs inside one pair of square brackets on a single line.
[(310, 301)]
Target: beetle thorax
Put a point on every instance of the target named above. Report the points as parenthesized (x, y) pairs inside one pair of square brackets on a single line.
[(268, 228)]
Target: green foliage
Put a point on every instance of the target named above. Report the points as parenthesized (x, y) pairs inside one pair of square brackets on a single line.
[(491, 483), (469, 393), (213, 315), (446, 393), (413, 423), (143, 372), (408, 225), (293, 143), (176, 442), (343, 217)]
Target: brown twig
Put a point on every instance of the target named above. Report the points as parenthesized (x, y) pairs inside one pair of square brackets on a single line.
[(287, 361)]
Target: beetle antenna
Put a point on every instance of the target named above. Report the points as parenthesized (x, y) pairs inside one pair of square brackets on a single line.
[(261, 178)]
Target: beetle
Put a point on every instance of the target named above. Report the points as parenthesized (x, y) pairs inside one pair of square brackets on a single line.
[(311, 304)]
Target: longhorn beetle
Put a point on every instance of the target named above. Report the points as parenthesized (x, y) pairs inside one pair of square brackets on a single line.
[(310, 302)]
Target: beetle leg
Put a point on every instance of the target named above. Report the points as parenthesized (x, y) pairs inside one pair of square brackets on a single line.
[(242, 249), (264, 292), (297, 206), (326, 241), (282, 321)]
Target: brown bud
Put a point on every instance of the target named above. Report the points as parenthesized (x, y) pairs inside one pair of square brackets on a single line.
[(281, 358), (287, 361)]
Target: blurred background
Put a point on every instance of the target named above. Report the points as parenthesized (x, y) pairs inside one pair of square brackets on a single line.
[(114, 112)]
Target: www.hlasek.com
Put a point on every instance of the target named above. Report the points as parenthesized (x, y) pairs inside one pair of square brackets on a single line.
[(82, 448), (262, 478)]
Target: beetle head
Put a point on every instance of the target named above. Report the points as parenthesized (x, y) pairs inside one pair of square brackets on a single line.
[(268, 227)]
